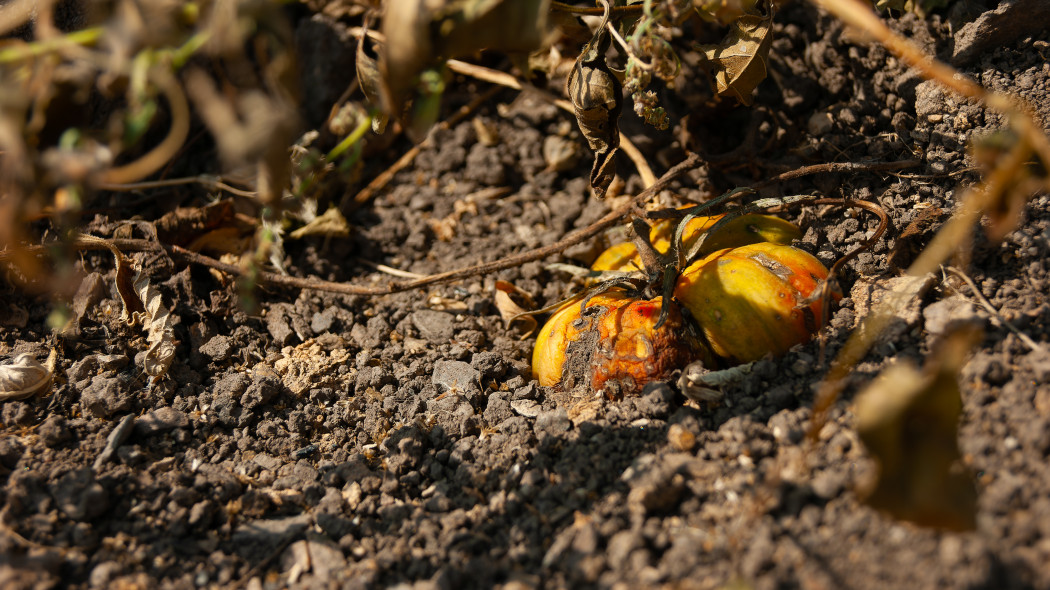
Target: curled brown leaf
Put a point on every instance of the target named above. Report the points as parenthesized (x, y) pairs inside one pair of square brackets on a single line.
[(371, 83), (597, 99), (739, 61), (160, 333), (510, 310), (143, 304)]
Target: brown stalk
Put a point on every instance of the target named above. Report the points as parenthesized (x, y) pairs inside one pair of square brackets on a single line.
[(274, 279), (836, 167), (595, 10), (974, 202), (860, 15), (956, 231)]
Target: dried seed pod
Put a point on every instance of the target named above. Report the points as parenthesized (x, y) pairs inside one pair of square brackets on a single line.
[(24, 376), (610, 342), (754, 300), (744, 230)]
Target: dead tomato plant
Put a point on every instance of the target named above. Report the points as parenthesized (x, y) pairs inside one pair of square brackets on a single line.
[(709, 288)]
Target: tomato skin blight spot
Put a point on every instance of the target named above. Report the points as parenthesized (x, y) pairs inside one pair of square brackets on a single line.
[(754, 300), (616, 347)]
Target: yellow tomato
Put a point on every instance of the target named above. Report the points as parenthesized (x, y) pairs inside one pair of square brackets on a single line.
[(754, 300)]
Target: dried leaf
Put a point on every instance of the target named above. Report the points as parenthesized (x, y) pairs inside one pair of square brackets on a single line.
[(739, 61), (224, 240), (441, 303), (331, 224), (308, 366), (445, 228), (187, 224), (91, 292), (597, 99), (160, 333), (142, 304), (125, 283), (509, 309), (24, 376), (908, 420)]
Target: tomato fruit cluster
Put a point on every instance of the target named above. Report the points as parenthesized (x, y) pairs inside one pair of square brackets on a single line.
[(750, 294)]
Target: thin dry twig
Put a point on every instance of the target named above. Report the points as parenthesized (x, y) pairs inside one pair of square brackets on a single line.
[(394, 272), (595, 11), (627, 48), (987, 305), (974, 202), (836, 167), (860, 15), (205, 180), (274, 279)]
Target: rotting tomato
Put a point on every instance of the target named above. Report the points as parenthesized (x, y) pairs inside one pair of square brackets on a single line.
[(750, 295), (754, 300), (744, 230), (611, 342)]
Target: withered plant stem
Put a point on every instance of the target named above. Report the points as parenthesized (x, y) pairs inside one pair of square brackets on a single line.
[(974, 202), (205, 180), (274, 279), (836, 167), (953, 235), (1020, 115), (501, 79)]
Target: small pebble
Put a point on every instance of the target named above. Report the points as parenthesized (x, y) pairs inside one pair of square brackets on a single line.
[(680, 438)]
